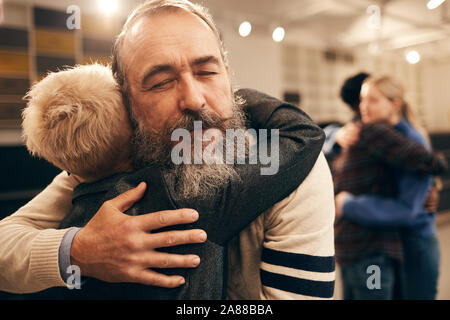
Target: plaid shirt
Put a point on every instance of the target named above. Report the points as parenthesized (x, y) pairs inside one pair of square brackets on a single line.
[(369, 168)]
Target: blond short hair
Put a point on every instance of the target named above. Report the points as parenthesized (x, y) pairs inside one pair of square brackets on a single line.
[(76, 120)]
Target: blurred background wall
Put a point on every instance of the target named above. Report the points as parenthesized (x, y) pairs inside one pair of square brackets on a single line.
[(322, 43)]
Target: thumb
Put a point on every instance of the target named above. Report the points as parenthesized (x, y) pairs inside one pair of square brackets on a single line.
[(125, 200)]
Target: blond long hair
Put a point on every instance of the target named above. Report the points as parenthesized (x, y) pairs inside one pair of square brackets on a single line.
[(393, 90)]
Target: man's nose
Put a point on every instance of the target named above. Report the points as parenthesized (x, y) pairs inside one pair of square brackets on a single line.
[(190, 94)]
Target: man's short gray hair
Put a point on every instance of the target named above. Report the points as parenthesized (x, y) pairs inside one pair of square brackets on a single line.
[(149, 8)]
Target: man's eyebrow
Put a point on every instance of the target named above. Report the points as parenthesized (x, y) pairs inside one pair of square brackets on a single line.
[(169, 68), (205, 59), (155, 70)]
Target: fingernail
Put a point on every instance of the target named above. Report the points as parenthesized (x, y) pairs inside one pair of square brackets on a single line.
[(181, 280), (194, 215), (202, 235), (196, 261)]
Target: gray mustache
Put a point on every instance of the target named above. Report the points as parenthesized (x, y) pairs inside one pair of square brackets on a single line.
[(208, 118)]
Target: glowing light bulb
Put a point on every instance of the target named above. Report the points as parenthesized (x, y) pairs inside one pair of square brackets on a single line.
[(108, 6), (413, 57), (278, 34), (433, 4), (245, 29)]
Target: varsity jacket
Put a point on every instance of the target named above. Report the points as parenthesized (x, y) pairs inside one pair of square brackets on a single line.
[(222, 216)]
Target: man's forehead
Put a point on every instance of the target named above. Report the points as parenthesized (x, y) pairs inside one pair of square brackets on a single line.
[(170, 23), (151, 39)]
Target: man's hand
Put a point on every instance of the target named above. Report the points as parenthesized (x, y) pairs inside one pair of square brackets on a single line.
[(348, 135), (116, 247), (339, 203)]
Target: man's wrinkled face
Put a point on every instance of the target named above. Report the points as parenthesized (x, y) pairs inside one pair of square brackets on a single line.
[(173, 64), (176, 75)]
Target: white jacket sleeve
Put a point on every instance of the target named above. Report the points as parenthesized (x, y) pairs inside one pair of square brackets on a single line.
[(288, 252), (297, 258), (29, 240)]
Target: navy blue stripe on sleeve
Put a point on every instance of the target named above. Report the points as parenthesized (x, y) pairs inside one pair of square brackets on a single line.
[(320, 289), (298, 261)]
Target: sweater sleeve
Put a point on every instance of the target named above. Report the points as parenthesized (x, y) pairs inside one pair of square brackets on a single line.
[(383, 212), (293, 154), (297, 259), (399, 151), (29, 241)]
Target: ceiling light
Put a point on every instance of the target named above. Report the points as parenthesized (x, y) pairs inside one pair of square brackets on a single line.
[(108, 6), (433, 4), (413, 57), (245, 28), (278, 34)]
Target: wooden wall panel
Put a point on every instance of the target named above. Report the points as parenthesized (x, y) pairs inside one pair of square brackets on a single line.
[(15, 15), (15, 38), (45, 63), (100, 26), (36, 40), (11, 110), (93, 46), (52, 19), (56, 42), (14, 63), (14, 86)]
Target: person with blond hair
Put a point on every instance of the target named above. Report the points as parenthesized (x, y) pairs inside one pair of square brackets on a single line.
[(75, 119), (380, 206)]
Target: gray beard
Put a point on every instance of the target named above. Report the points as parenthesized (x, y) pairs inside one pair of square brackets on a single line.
[(187, 180)]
